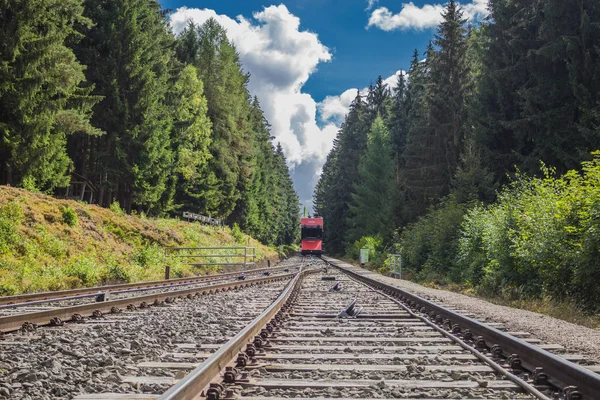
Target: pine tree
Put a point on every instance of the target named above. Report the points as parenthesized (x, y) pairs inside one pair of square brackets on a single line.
[(257, 206), (288, 209), (434, 142), (418, 182), (397, 121), (351, 145), (44, 98), (378, 100), (190, 141), (218, 65), (128, 56), (371, 206)]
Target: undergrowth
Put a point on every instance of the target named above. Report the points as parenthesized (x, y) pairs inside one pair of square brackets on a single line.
[(50, 244)]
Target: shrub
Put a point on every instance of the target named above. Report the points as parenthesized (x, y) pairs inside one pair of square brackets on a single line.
[(116, 208), (83, 268), (69, 216), (429, 246), (28, 183), (539, 239), (237, 234), (374, 244), (11, 216)]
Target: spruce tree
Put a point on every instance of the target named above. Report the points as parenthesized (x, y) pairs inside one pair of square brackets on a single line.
[(371, 206), (434, 142), (44, 97), (288, 207), (190, 143), (378, 100), (128, 56), (352, 141), (218, 65)]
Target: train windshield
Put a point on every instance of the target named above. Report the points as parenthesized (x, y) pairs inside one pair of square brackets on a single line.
[(312, 232)]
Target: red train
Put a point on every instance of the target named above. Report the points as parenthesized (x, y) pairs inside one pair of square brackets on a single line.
[(312, 236)]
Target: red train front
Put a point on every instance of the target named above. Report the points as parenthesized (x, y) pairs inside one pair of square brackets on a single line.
[(312, 236)]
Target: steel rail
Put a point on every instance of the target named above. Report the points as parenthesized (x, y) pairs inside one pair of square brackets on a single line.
[(497, 367), (95, 290), (215, 278), (198, 379), (15, 322), (562, 373)]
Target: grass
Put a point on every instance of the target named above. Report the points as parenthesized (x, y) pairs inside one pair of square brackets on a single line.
[(52, 244)]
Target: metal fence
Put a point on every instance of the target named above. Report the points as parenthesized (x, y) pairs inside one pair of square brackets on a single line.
[(202, 256)]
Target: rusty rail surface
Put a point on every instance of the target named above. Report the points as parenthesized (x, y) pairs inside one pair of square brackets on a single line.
[(197, 380), (15, 322), (22, 298), (561, 373)]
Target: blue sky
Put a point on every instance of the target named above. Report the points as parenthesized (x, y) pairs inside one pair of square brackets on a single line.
[(308, 57)]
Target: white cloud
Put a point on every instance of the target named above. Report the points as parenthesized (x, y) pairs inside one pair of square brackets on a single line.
[(371, 4), (334, 108), (280, 58), (419, 18)]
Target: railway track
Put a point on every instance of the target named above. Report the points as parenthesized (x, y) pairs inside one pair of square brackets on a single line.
[(338, 333), (7, 302), (27, 311), (366, 341), (115, 351)]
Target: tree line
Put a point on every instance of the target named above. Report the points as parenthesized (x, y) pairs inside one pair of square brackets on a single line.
[(156, 122), (479, 109)]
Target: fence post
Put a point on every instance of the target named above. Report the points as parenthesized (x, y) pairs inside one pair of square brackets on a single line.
[(167, 272), (245, 255)]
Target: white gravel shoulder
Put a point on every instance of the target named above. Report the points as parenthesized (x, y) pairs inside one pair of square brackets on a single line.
[(575, 338)]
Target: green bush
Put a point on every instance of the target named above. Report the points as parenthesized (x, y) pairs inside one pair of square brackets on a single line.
[(429, 246), (28, 183), (11, 216), (541, 238), (377, 254), (237, 234), (69, 216), (116, 208), (84, 269)]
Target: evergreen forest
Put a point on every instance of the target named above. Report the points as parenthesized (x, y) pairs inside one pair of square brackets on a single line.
[(479, 166), (102, 92)]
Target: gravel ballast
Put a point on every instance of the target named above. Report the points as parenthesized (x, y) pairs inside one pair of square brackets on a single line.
[(93, 357)]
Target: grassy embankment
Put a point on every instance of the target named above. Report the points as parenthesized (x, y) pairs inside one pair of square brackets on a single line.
[(51, 244)]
